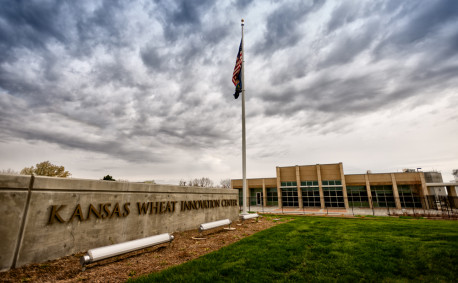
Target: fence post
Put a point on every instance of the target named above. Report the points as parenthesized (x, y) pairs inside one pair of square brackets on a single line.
[(372, 205), (424, 206), (388, 206), (352, 204)]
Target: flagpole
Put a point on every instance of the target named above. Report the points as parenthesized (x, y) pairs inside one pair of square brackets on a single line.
[(243, 130)]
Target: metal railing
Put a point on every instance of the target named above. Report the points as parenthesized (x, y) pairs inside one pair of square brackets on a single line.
[(386, 205)]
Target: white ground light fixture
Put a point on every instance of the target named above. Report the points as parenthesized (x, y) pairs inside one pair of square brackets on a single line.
[(249, 216), (114, 250), (214, 224)]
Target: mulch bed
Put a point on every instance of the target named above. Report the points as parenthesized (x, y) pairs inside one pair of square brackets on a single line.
[(134, 264)]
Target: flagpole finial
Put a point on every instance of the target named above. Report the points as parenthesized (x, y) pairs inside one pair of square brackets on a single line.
[(243, 22)]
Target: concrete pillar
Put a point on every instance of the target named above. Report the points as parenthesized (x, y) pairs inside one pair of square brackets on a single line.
[(397, 201), (248, 194), (264, 193), (320, 185), (344, 185), (452, 193), (299, 191), (278, 188), (424, 190), (368, 189)]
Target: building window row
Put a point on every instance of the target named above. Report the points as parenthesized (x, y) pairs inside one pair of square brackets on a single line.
[(272, 197), (289, 197), (333, 197), (409, 197), (331, 183), (289, 184), (382, 195), (312, 183), (357, 196), (311, 196), (309, 183)]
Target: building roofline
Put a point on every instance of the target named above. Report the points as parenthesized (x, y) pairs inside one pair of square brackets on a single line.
[(254, 178), (442, 184), (304, 165)]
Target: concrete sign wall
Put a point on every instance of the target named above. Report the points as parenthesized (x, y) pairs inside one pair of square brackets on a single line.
[(43, 218)]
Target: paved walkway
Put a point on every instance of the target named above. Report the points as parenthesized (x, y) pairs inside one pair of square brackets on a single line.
[(342, 211), (296, 210)]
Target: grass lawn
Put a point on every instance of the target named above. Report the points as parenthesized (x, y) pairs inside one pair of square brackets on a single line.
[(332, 249)]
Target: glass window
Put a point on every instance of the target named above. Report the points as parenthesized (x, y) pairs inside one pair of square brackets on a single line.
[(289, 184), (409, 196), (357, 196), (382, 196), (311, 197), (289, 197), (309, 183), (272, 197), (333, 197)]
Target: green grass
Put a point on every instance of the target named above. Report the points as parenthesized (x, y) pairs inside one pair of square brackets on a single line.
[(310, 249)]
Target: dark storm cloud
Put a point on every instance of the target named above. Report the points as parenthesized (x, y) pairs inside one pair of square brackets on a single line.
[(418, 22), (340, 97), (121, 72), (115, 147), (422, 34), (428, 18), (349, 45), (29, 24), (345, 13), (282, 27), (243, 4), (35, 24), (151, 58), (182, 18)]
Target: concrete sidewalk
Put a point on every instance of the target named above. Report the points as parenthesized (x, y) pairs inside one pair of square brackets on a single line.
[(344, 212)]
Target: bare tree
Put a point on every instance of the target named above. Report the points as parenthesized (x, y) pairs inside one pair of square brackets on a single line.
[(225, 183), (194, 182), (9, 171), (203, 182)]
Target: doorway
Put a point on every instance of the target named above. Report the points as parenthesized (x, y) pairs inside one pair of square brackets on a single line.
[(258, 198)]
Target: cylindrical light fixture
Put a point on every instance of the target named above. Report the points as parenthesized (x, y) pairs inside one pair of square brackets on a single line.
[(215, 224), (114, 250), (248, 216)]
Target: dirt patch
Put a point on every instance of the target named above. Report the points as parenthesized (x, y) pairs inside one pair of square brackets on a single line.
[(134, 264)]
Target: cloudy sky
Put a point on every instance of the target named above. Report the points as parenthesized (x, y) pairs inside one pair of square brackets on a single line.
[(142, 90)]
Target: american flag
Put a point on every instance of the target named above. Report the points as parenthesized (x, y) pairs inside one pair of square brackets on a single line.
[(237, 74)]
